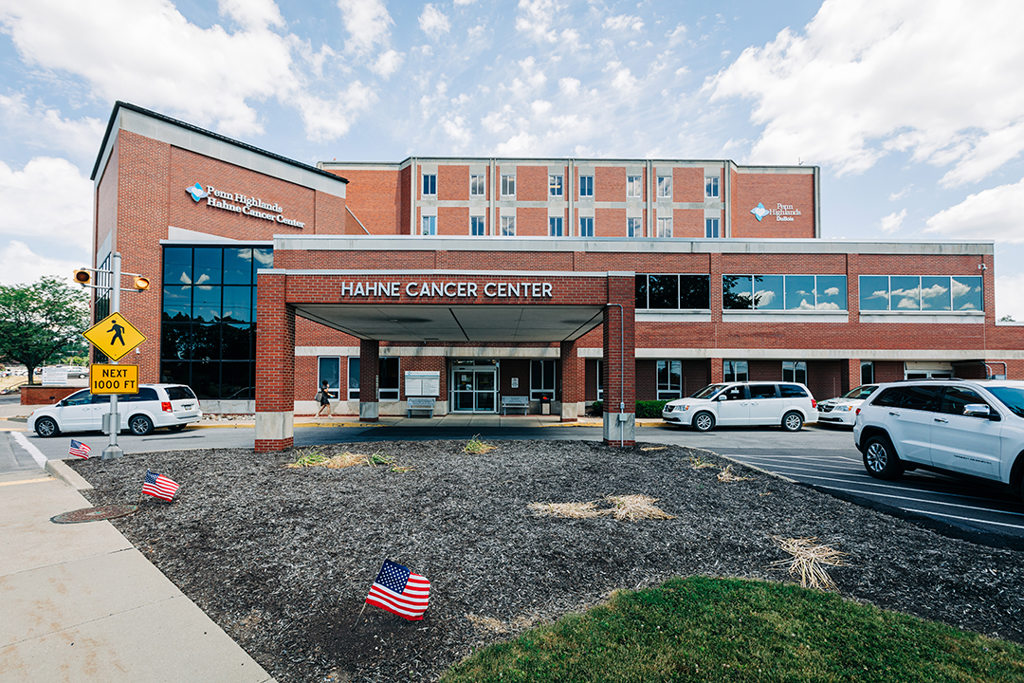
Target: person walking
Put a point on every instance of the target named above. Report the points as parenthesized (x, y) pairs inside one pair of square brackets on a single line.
[(323, 397)]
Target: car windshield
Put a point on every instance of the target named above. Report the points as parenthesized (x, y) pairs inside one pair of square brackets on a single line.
[(1011, 397), (861, 392), (708, 391)]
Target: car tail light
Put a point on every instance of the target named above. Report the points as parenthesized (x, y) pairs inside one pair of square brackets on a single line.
[(858, 411), (165, 406), (814, 404)]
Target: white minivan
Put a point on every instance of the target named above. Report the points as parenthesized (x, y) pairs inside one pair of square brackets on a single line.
[(787, 404), (156, 405)]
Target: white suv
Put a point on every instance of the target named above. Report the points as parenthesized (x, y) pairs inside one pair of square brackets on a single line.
[(971, 427), (788, 404), (156, 405)]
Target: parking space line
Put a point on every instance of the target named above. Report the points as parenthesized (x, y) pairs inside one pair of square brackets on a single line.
[(793, 457), (966, 519), (930, 502), (817, 467)]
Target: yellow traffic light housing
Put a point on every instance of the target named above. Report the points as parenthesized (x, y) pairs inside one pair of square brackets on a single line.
[(141, 283), (83, 276)]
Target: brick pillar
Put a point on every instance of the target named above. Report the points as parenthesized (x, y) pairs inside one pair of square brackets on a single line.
[(852, 372), (275, 365), (573, 377), (620, 361), (369, 366), (716, 370)]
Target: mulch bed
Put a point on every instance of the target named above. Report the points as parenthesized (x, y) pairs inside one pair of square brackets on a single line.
[(282, 558)]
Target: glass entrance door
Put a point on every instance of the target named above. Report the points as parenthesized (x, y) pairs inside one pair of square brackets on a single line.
[(474, 388)]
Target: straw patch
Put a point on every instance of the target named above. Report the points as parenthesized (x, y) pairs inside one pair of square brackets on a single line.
[(567, 510), (699, 463), (808, 556), (653, 448), (727, 475), (477, 447), (314, 458), (636, 507)]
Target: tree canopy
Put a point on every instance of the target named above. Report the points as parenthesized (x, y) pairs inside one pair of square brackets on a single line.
[(41, 321)]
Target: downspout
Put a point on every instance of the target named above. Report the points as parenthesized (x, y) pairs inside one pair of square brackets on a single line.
[(622, 372)]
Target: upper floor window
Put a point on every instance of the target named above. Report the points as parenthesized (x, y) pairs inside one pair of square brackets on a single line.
[(921, 293), (587, 226), (784, 292), (555, 185), (476, 185), (664, 227), (680, 292), (476, 225), (555, 226), (429, 184), (634, 186), (634, 227), (586, 186), (711, 187), (428, 225), (508, 185), (664, 187), (508, 226), (711, 228)]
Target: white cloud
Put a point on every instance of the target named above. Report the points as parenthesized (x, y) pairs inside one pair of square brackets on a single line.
[(900, 194), (569, 86), (623, 80), (44, 128), (327, 119), (456, 128), (387, 63), (20, 265), (623, 22), (463, 3), (677, 35), (940, 85), (367, 23), (433, 21), (48, 199), (1008, 299), (252, 14), (536, 19), (893, 221), (992, 214)]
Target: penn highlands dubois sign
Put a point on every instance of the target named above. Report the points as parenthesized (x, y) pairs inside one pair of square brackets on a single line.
[(236, 202)]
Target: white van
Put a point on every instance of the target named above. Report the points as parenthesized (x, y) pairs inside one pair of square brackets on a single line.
[(787, 404), (156, 405)]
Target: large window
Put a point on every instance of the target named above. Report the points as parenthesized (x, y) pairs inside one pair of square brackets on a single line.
[(680, 292), (428, 225), (429, 184), (735, 371), (353, 378), (387, 379), (664, 227), (664, 187), (921, 293), (208, 321), (555, 226), (476, 225), (867, 372), (634, 187), (586, 226), (586, 186), (711, 228), (670, 379), (634, 227), (794, 371), (711, 187), (784, 292), (555, 185), (508, 185), (542, 379), (508, 226), (476, 185), (329, 370)]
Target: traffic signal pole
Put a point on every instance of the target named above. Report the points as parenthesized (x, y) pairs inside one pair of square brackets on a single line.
[(113, 419)]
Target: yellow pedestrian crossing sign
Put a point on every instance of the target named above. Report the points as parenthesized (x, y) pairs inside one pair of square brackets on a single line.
[(114, 336)]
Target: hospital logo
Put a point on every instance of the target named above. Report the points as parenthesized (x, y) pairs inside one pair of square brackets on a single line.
[(198, 193), (759, 211)]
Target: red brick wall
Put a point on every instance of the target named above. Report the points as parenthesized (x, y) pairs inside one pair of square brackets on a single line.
[(687, 184), (452, 184), (532, 186), (610, 186), (376, 198), (772, 189)]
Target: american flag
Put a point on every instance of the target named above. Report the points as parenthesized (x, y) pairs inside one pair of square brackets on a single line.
[(159, 486), (79, 449), (400, 591)]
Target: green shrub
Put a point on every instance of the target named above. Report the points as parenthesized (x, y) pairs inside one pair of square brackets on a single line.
[(649, 408), (596, 408)]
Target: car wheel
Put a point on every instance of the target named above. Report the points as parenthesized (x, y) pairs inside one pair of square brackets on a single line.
[(703, 422), (792, 421), (140, 425), (880, 459), (176, 428), (47, 427)]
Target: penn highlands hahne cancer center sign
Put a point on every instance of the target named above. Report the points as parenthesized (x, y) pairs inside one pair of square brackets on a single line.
[(237, 202)]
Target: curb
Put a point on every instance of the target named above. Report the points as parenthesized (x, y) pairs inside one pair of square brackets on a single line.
[(60, 469)]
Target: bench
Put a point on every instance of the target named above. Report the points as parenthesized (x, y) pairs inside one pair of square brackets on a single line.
[(515, 403), (419, 404)]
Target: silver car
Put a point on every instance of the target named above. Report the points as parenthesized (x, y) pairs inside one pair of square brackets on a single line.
[(842, 410)]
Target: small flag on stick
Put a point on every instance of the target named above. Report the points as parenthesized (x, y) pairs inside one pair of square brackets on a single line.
[(400, 591), (159, 486), (79, 449)]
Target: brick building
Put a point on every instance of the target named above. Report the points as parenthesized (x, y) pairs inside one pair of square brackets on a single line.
[(563, 281)]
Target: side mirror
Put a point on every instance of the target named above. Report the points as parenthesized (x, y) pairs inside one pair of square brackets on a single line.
[(722, 397), (980, 410)]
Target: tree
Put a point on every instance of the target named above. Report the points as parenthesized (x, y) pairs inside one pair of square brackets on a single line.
[(41, 321)]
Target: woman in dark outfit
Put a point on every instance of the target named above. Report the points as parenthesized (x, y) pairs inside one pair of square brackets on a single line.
[(325, 400)]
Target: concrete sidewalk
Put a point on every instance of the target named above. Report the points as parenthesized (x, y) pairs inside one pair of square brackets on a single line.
[(80, 603)]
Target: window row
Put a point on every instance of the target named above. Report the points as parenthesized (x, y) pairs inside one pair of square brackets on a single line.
[(670, 375), (921, 293), (214, 265), (634, 226), (784, 292), (556, 186)]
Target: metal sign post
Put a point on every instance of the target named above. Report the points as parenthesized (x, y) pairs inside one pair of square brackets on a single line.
[(113, 422)]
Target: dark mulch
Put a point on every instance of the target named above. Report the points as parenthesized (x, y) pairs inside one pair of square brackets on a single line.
[(282, 558)]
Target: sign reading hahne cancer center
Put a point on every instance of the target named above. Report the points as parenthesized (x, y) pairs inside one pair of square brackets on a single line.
[(236, 202), (782, 212), (449, 290)]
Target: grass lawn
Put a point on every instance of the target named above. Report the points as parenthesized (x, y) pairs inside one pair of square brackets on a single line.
[(733, 629)]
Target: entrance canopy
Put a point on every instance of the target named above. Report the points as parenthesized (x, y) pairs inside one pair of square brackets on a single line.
[(410, 322)]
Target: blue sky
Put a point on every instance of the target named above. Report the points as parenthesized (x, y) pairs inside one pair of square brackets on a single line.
[(915, 115)]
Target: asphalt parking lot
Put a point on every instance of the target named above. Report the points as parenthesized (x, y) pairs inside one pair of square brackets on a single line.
[(822, 457)]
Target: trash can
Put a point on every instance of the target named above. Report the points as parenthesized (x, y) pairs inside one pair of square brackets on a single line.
[(545, 405)]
